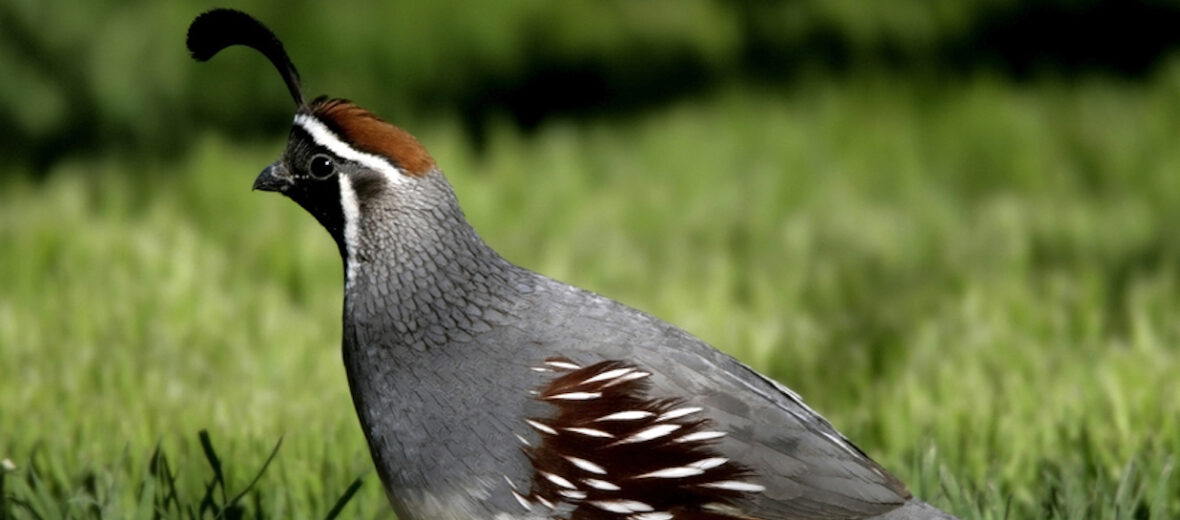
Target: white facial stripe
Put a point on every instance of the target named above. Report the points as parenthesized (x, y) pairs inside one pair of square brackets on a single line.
[(351, 210), (326, 138)]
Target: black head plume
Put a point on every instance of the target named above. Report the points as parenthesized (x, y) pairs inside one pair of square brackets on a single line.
[(221, 28)]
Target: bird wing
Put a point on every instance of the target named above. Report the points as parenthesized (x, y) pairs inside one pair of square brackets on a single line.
[(806, 468)]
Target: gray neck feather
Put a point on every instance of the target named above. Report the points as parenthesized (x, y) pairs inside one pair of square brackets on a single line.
[(425, 292), (421, 269)]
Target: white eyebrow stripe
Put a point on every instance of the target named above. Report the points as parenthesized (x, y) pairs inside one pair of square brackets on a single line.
[(326, 138)]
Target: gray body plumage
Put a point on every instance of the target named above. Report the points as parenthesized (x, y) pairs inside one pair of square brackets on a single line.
[(439, 336)]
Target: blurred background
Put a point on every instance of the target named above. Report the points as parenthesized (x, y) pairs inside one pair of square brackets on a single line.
[(951, 226)]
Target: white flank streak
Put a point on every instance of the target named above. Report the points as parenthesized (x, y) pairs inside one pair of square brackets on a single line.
[(576, 396), (679, 412), (600, 484), (628, 377), (709, 463), (840, 442), (564, 365), (324, 137), (735, 485), (701, 436), (523, 502), (522, 439), (658, 515), (590, 432), (546, 502), (559, 480), (587, 465), (609, 374), (541, 427), (630, 415), (539, 369), (511, 484), (572, 494), (622, 506), (680, 472), (650, 433), (352, 216), (721, 507)]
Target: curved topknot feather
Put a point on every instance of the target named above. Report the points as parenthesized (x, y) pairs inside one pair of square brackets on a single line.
[(220, 28)]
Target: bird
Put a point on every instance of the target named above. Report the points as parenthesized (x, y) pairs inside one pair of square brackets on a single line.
[(488, 391)]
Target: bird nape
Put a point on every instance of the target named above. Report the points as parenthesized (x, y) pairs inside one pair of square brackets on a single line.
[(488, 391)]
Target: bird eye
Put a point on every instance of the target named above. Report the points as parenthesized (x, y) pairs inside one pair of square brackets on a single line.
[(321, 167)]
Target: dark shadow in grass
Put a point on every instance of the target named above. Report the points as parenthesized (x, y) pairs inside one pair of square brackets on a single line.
[(215, 504), (228, 508), (45, 495)]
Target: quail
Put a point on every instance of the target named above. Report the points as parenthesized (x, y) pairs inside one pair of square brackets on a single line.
[(487, 391)]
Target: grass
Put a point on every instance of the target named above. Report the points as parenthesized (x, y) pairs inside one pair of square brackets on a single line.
[(977, 282)]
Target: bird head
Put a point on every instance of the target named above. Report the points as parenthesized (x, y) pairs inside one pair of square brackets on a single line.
[(339, 157)]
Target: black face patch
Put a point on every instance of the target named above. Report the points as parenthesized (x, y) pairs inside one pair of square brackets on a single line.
[(315, 189)]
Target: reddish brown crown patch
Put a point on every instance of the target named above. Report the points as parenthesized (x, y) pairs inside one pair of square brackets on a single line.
[(367, 132)]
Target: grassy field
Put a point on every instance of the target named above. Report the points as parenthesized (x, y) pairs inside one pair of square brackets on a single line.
[(977, 282)]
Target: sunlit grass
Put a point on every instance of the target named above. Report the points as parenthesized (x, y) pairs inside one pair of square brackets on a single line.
[(977, 283)]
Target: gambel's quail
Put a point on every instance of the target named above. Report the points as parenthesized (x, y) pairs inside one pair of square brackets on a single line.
[(490, 392)]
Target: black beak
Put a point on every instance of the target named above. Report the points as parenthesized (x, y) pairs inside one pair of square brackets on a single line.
[(272, 178)]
